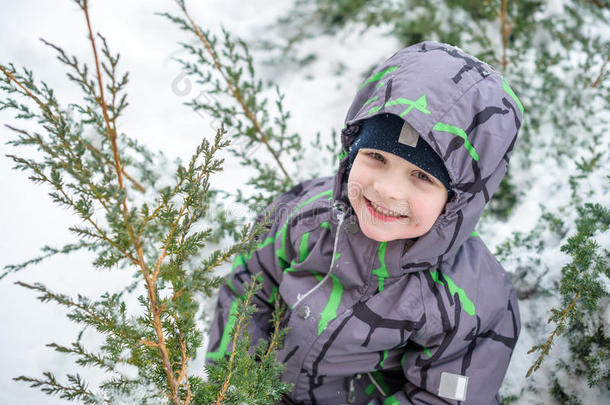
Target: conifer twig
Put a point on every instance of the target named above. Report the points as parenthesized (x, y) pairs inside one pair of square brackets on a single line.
[(597, 81), (159, 207), (275, 337), (66, 301), (101, 234), (234, 91), (163, 254), (46, 109), (307, 23), (102, 102), (51, 252), (42, 105), (544, 348), (506, 31), (236, 334), (51, 386), (184, 371), (598, 3), (183, 365), (174, 225), (155, 309), (42, 144)]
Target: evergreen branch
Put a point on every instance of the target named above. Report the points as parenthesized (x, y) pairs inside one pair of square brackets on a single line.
[(182, 175), (112, 135), (240, 324), (163, 254), (185, 359), (71, 158), (86, 358), (115, 87), (150, 282), (300, 34), (45, 108), (278, 333), (156, 310), (208, 167), (100, 323), (82, 80), (103, 237), (11, 268), (102, 102), (121, 384), (67, 200), (597, 81), (598, 3), (234, 91), (197, 280), (183, 374), (164, 200), (162, 346), (134, 182), (42, 105), (77, 390), (506, 31), (163, 203), (546, 347), (220, 257)]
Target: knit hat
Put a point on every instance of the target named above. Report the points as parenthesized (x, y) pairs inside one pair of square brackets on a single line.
[(390, 133)]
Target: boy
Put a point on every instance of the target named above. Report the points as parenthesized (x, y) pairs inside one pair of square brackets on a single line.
[(393, 297)]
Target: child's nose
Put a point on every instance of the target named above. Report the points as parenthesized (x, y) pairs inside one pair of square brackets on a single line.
[(391, 187)]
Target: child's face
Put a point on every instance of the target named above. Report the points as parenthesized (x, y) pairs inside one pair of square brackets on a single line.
[(393, 198)]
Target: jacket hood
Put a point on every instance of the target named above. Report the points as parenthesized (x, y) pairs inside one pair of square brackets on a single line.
[(465, 111)]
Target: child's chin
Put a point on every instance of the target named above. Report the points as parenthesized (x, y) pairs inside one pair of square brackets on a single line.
[(386, 235), (376, 235)]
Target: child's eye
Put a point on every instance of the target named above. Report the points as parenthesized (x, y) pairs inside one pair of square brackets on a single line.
[(423, 176), (376, 156)]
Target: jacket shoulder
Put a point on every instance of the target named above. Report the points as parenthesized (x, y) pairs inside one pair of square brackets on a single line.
[(302, 194), (472, 290), (309, 191), (302, 208), (494, 291)]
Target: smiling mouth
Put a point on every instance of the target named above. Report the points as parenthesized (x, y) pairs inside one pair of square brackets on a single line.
[(382, 213)]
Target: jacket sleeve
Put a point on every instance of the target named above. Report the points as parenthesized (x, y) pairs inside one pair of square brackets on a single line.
[(467, 364), (266, 262)]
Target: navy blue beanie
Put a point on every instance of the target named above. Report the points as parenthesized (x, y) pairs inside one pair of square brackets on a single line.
[(385, 132)]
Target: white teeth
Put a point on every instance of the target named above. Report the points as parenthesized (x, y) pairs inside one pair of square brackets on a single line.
[(384, 211)]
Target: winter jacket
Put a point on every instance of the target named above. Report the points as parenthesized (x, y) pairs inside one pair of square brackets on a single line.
[(430, 321)]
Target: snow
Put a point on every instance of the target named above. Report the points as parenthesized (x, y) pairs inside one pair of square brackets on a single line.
[(157, 118)]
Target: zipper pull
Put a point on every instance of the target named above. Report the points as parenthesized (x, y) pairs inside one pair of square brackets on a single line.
[(341, 210), (351, 391)]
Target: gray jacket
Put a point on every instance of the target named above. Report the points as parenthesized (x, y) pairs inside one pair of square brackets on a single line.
[(430, 321)]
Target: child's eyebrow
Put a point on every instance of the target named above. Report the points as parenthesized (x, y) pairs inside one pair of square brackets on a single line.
[(381, 152), (384, 154)]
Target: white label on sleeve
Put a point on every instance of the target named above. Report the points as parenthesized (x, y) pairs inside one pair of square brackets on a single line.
[(453, 386)]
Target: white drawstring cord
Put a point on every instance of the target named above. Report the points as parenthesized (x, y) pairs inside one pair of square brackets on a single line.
[(377, 385), (341, 216)]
